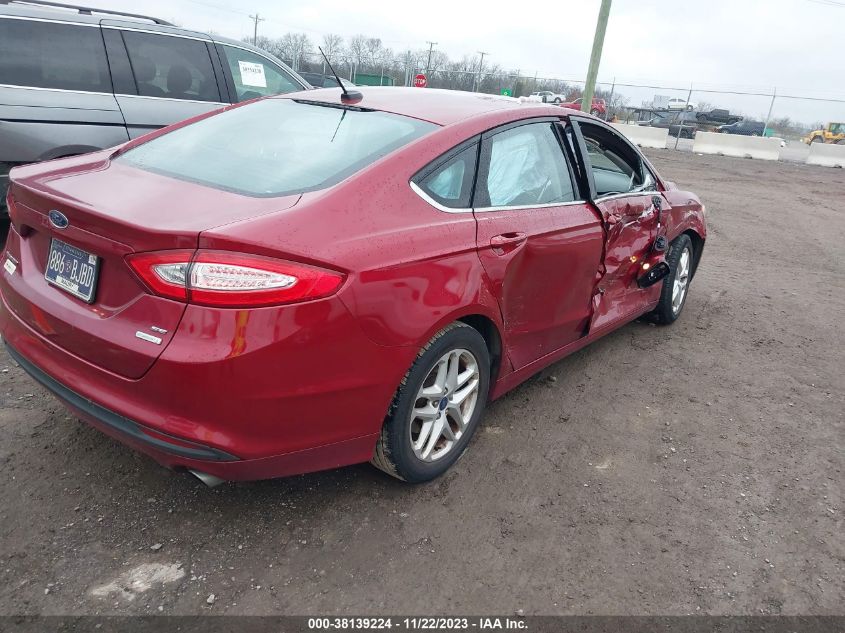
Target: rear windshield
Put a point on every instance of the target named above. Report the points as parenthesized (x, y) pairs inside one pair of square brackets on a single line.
[(276, 147)]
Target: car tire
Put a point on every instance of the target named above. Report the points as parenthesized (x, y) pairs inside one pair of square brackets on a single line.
[(595, 112), (681, 258), (401, 448), (557, 100)]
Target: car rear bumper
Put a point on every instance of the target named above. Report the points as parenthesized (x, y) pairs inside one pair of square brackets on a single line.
[(116, 423), (225, 401)]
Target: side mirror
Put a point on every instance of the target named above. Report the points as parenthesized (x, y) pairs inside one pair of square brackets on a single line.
[(653, 274)]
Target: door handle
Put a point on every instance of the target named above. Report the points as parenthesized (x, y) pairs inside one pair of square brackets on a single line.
[(507, 241)]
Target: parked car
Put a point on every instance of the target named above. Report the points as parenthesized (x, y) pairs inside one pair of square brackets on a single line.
[(73, 82), (545, 96), (680, 104), (744, 127), (598, 107), (683, 124), (651, 117), (312, 280), (325, 81), (718, 116)]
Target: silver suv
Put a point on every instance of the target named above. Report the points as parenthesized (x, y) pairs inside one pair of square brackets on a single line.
[(73, 81)]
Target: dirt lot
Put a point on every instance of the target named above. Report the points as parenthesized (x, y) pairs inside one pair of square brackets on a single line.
[(690, 469)]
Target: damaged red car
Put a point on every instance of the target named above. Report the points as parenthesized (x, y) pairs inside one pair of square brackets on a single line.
[(318, 279)]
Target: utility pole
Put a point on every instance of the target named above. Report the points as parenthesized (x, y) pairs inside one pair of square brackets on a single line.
[(431, 46), (610, 99), (680, 117), (771, 107), (255, 19), (480, 67), (595, 57)]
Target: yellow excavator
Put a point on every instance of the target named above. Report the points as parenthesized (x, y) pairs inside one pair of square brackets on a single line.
[(832, 133)]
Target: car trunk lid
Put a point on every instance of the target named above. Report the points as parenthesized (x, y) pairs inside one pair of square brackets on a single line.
[(112, 211)]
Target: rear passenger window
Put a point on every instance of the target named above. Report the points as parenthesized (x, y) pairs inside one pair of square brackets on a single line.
[(526, 168), (172, 67), (47, 55), (450, 184)]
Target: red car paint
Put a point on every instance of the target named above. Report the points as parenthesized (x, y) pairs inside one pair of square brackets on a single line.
[(598, 108), (278, 390)]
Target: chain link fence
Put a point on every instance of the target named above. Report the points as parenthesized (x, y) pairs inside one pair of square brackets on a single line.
[(789, 114)]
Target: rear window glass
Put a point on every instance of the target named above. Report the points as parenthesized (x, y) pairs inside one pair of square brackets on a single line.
[(46, 55), (276, 147)]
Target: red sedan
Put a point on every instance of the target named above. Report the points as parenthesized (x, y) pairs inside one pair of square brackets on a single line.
[(308, 281), (598, 107)]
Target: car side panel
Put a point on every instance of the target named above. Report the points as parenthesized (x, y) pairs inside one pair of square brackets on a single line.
[(40, 124)]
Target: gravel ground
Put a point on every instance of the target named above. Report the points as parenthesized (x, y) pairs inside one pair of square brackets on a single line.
[(691, 469)]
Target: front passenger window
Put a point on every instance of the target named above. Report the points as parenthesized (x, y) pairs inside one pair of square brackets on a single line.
[(255, 76), (615, 167)]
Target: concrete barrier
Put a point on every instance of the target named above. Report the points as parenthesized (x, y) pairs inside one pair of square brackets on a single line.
[(737, 145), (642, 135), (826, 155)]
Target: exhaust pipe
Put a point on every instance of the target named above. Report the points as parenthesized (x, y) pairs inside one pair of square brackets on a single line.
[(209, 480)]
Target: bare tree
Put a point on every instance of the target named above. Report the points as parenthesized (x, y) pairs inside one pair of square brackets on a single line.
[(374, 50), (294, 47), (332, 46), (439, 60), (357, 49)]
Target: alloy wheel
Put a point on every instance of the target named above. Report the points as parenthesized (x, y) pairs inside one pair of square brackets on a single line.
[(444, 405), (681, 281)]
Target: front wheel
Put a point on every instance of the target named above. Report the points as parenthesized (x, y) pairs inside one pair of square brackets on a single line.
[(595, 112), (673, 295), (437, 406)]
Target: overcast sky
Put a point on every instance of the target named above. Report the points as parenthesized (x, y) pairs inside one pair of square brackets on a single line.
[(797, 46)]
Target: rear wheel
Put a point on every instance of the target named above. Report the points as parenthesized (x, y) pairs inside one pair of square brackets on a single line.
[(673, 295), (437, 407), (557, 99)]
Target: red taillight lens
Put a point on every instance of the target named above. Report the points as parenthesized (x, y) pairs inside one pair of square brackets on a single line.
[(159, 271), (226, 279), (232, 280)]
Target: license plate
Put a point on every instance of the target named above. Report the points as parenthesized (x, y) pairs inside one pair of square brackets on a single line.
[(73, 270)]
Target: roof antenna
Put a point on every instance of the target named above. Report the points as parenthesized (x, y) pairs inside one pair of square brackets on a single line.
[(348, 95)]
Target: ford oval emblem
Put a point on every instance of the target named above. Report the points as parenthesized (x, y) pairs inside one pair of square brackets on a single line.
[(58, 219)]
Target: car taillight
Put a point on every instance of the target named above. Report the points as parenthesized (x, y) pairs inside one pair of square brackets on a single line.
[(232, 280)]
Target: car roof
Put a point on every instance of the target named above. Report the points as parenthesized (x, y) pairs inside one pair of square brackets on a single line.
[(442, 107), (57, 14), (71, 13)]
